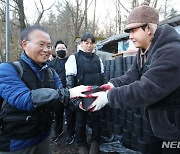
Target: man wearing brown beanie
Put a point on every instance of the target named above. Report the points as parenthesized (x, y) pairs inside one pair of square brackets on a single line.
[(153, 81)]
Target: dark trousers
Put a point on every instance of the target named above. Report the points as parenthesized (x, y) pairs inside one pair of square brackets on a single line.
[(71, 121), (59, 117), (81, 121)]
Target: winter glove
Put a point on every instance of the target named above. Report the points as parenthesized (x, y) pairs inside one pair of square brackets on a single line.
[(106, 87), (78, 91), (100, 102)]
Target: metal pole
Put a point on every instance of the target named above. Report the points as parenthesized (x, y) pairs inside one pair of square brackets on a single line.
[(7, 30)]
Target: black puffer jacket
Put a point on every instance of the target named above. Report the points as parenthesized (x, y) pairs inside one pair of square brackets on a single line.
[(155, 86)]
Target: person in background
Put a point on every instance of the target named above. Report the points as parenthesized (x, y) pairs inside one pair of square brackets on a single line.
[(86, 68), (58, 64), (25, 116), (153, 81)]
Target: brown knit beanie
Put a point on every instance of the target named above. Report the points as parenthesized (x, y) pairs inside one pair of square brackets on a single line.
[(142, 15)]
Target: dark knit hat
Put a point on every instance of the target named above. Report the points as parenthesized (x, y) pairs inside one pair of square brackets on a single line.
[(142, 15)]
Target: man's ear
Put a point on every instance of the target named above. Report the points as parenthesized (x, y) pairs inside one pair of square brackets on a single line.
[(24, 43), (149, 30)]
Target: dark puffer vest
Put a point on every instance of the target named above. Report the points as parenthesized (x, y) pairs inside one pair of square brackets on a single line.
[(88, 69)]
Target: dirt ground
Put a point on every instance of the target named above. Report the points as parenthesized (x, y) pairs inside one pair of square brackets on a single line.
[(60, 146)]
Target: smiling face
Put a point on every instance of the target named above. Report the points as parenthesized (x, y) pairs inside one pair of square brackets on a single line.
[(87, 45), (141, 38), (38, 46)]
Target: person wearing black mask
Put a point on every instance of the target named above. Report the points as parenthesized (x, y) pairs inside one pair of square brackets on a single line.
[(58, 63), (61, 53)]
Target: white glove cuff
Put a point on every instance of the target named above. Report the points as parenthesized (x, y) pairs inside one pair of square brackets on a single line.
[(111, 85)]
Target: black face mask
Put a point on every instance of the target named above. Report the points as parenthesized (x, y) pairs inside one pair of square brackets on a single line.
[(61, 53)]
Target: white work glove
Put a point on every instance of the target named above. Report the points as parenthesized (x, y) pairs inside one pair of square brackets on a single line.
[(106, 87), (78, 91), (100, 102)]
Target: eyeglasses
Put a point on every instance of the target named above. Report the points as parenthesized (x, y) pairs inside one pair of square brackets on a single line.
[(42, 45)]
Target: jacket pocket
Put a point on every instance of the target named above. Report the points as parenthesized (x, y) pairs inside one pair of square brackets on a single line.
[(164, 125)]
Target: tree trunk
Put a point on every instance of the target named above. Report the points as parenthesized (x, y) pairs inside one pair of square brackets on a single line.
[(20, 5)]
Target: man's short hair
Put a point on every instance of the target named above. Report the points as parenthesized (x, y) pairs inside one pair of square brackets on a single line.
[(59, 42), (88, 36), (25, 33)]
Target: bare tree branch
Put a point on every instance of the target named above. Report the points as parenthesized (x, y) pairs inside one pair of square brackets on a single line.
[(155, 3), (4, 1), (123, 6), (42, 11), (36, 6), (71, 11), (90, 4)]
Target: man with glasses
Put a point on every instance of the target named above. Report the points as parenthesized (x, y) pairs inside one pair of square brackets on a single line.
[(153, 81), (25, 116)]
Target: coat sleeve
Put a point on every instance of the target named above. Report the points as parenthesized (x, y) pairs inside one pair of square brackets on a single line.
[(43, 96), (13, 89), (102, 66), (15, 92), (162, 78), (104, 80), (71, 66)]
